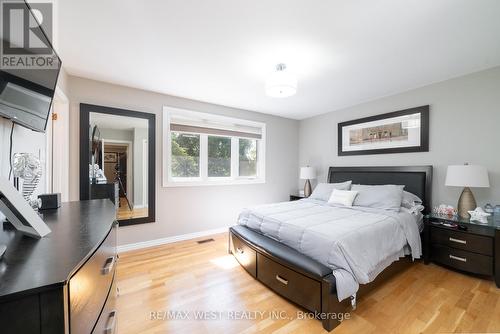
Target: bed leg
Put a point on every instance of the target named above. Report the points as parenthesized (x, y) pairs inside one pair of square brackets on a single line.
[(332, 311)]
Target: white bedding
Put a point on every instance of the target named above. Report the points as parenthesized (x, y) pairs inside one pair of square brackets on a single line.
[(356, 243)]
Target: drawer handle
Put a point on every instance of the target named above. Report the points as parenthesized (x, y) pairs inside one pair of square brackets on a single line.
[(239, 250), (463, 259), (111, 324), (281, 280), (458, 241), (108, 267)]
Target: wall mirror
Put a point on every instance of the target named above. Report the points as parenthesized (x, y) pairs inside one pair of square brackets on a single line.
[(117, 160)]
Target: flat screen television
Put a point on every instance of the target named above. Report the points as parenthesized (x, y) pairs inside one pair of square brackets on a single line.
[(26, 93)]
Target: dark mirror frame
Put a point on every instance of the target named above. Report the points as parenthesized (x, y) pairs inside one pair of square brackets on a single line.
[(85, 110)]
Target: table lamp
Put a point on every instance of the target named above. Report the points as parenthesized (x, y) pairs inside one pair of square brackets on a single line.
[(307, 173), (467, 176)]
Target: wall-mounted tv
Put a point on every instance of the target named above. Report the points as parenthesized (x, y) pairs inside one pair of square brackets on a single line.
[(28, 74)]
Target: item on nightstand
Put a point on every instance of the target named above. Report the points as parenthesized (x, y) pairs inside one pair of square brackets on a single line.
[(444, 210), (307, 173), (479, 215), (496, 210), (488, 208), (467, 176), (49, 201)]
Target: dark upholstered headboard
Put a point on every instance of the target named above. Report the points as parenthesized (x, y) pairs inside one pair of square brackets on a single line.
[(416, 179)]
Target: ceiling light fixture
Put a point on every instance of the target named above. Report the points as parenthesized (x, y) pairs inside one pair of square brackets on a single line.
[(281, 83)]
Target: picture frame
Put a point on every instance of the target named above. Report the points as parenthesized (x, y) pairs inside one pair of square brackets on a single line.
[(402, 131), (110, 157)]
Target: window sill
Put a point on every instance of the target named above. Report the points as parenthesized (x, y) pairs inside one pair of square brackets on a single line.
[(173, 184)]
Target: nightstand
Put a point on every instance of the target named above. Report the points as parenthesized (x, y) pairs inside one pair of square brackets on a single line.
[(466, 246), (296, 197)]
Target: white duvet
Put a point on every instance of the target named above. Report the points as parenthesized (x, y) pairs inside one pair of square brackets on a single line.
[(356, 243)]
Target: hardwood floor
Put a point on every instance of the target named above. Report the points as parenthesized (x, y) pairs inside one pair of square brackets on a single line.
[(190, 277), (124, 211)]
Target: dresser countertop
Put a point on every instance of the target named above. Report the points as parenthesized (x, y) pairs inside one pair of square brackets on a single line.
[(29, 264)]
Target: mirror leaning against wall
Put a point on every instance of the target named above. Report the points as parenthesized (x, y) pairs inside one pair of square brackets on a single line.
[(117, 155)]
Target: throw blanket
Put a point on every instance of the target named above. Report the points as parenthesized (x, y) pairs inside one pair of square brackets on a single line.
[(356, 243)]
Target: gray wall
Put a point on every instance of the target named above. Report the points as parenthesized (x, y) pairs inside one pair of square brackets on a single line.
[(184, 210), (114, 134), (464, 127)]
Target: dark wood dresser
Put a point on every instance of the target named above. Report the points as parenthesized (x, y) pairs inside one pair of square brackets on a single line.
[(65, 282), (463, 245)]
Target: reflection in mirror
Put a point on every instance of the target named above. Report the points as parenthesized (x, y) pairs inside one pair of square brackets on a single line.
[(118, 162)]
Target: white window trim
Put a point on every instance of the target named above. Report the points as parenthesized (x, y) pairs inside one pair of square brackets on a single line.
[(204, 180)]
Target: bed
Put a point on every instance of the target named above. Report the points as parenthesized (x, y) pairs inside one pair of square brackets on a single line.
[(295, 266)]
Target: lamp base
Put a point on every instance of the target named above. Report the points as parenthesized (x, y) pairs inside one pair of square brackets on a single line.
[(466, 202), (307, 188)]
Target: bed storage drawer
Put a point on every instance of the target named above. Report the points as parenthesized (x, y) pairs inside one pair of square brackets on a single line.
[(89, 287), (465, 241), (245, 255), (463, 260), (290, 284)]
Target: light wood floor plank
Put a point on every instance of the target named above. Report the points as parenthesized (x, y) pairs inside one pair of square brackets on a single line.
[(191, 277)]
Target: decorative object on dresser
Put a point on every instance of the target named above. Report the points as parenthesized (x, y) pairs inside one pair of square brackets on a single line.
[(19, 213), (296, 197), (65, 283), (462, 244), (27, 167), (467, 176), (49, 201), (395, 132), (307, 173), (479, 215)]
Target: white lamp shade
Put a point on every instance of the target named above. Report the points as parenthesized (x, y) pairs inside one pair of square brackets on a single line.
[(467, 176), (281, 83), (307, 173)]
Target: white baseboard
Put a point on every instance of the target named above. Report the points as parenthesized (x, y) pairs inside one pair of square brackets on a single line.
[(168, 240)]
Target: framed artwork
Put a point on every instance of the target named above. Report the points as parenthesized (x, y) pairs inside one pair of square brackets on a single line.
[(110, 157), (395, 132)]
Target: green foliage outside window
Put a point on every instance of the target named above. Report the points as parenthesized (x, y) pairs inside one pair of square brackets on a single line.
[(248, 157), (185, 155), (219, 156)]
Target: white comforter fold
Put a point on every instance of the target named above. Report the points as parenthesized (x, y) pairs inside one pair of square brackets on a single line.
[(356, 243)]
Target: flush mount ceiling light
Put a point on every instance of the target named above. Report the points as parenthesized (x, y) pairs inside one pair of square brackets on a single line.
[(281, 83)]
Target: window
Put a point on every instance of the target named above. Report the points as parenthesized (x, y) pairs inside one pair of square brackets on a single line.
[(247, 157), (207, 149), (185, 155), (219, 156)]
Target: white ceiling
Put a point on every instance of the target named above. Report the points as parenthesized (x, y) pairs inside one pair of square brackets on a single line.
[(221, 51)]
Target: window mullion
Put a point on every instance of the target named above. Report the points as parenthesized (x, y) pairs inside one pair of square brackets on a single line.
[(234, 157), (203, 157)]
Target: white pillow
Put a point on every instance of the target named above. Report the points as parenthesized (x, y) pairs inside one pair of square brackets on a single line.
[(386, 197), (410, 200), (324, 190), (342, 197)]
